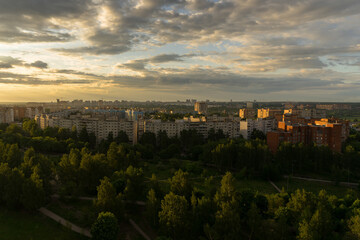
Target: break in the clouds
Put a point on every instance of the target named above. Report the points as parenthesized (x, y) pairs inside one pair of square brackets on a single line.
[(216, 49)]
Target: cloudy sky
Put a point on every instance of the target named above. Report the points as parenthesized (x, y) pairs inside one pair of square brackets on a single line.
[(299, 50)]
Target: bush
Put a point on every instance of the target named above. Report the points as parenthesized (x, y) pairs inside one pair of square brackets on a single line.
[(105, 227)]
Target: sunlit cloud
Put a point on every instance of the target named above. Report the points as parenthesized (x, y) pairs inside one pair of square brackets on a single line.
[(273, 49)]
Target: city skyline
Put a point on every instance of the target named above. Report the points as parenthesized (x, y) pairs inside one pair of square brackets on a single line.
[(174, 50)]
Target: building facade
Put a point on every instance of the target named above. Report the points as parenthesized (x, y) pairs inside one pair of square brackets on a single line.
[(321, 132)]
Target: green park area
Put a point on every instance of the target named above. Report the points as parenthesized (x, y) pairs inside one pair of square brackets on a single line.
[(22, 225), (185, 187), (290, 185)]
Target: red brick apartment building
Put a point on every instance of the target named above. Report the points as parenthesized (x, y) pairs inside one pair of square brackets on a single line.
[(322, 132)]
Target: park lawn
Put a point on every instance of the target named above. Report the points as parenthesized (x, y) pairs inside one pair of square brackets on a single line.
[(256, 185), (315, 187), (161, 170), (21, 225), (79, 212)]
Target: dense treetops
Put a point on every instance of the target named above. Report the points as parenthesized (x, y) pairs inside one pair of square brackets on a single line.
[(36, 163)]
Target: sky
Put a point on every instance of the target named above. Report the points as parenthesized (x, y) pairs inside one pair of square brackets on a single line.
[(268, 50)]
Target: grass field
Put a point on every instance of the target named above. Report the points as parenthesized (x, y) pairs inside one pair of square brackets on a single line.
[(314, 187), (32, 226)]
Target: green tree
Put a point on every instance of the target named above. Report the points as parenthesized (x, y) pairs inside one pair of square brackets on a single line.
[(33, 194), (134, 183), (63, 133), (84, 135), (113, 156), (105, 227), (226, 193), (148, 138), (319, 227), (257, 134), (13, 188), (254, 222), (203, 213), (155, 185), (31, 127), (122, 137), (74, 133), (354, 226), (180, 184), (152, 207), (5, 173), (13, 156), (92, 169), (227, 221), (173, 215), (107, 200)]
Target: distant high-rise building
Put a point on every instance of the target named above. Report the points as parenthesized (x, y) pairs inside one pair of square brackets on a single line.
[(267, 112), (264, 125), (247, 113), (200, 107)]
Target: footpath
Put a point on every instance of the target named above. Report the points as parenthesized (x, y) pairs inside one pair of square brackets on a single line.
[(84, 231), (65, 222)]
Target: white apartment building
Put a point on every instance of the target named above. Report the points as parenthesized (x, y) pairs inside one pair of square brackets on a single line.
[(100, 127), (7, 115), (172, 129), (262, 124), (201, 125), (31, 112)]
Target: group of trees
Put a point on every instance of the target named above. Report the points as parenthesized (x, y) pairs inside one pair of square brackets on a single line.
[(232, 214), (80, 171), (111, 169), (24, 178)]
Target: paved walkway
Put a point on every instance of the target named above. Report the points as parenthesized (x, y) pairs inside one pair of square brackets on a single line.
[(274, 185), (65, 223), (139, 230), (323, 181), (140, 203)]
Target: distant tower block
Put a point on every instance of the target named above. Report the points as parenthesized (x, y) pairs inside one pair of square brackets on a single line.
[(200, 107)]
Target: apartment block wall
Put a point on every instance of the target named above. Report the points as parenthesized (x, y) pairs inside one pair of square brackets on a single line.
[(247, 113), (321, 132)]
